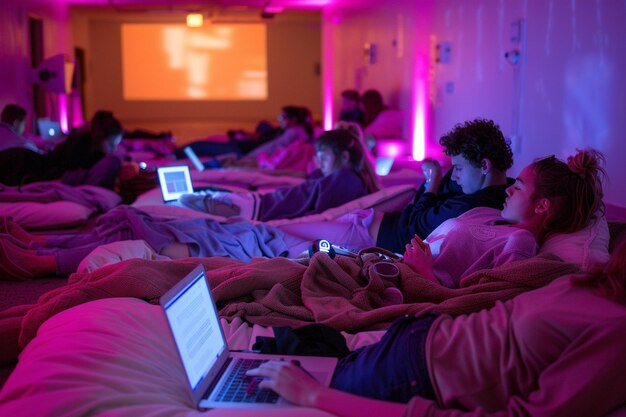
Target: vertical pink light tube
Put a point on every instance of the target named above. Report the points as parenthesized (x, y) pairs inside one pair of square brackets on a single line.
[(63, 113), (77, 111), (327, 70), (420, 109)]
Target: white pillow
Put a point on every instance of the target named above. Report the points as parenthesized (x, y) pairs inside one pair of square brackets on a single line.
[(583, 248), (55, 215), (115, 252)]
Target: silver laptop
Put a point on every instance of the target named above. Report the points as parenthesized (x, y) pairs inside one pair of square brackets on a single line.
[(191, 154), (49, 129), (216, 377), (175, 181)]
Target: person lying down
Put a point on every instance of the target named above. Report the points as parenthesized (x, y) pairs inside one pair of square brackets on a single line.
[(344, 174), (544, 352), (549, 197)]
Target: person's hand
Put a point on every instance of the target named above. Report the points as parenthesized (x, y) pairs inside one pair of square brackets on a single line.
[(432, 173), (430, 167), (128, 170), (419, 258), (288, 380)]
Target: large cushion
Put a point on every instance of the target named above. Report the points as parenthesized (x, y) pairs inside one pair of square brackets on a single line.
[(54, 215), (584, 248), (111, 358), (115, 252)]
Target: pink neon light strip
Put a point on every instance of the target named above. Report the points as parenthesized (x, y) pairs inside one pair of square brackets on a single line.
[(420, 105), (327, 72), (63, 114)]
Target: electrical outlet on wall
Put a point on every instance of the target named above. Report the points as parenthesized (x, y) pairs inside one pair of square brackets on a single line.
[(443, 53), (370, 53)]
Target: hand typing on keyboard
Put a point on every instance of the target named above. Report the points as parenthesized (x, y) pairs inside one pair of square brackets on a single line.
[(289, 380), (240, 387), (253, 384)]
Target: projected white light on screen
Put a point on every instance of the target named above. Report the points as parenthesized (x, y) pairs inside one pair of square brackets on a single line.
[(173, 62)]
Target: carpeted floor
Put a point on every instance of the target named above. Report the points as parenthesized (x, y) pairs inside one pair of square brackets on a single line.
[(13, 293)]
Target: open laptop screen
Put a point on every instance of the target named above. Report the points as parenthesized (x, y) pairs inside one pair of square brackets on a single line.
[(49, 129), (196, 328), (174, 182)]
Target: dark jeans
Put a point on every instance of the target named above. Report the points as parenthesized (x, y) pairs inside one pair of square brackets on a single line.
[(394, 369)]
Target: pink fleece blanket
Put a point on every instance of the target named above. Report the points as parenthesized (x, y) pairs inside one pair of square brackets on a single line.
[(345, 293)]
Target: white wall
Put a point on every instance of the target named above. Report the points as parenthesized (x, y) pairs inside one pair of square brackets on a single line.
[(565, 93), (571, 93)]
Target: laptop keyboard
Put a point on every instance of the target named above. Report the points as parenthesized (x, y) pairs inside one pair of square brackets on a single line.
[(242, 388)]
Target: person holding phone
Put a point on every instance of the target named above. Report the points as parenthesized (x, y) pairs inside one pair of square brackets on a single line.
[(480, 158)]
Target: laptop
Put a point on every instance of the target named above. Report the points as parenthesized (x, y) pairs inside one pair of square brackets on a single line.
[(215, 376), (197, 163), (383, 165), (49, 129), (175, 181)]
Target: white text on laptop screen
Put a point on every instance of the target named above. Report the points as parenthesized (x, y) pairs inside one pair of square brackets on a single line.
[(195, 328)]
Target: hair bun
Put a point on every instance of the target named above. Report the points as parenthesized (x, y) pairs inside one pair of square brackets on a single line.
[(585, 163)]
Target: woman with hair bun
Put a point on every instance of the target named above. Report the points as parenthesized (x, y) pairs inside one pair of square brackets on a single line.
[(574, 190), (549, 196)]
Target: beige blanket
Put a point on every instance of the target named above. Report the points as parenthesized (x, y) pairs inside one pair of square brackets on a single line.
[(348, 295), (344, 293)]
